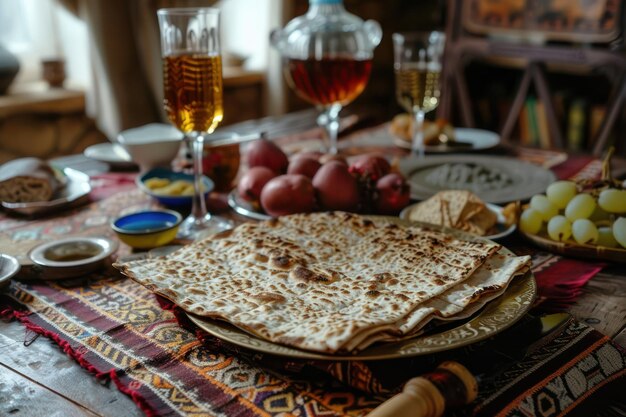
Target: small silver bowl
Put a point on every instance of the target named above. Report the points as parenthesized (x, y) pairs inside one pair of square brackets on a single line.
[(9, 266), (71, 257)]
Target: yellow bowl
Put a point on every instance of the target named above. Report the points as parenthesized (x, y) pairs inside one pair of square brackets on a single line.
[(147, 229)]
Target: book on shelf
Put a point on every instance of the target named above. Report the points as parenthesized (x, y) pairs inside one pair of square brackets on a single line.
[(576, 125), (531, 104), (529, 129), (542, 125), (597, 113), (524, 132)]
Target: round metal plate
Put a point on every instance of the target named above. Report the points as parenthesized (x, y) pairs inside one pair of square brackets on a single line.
[(494, 179), (496, 316)]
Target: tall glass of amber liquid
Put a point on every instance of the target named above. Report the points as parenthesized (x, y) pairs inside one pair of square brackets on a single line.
[(417, 65), (192, 81)]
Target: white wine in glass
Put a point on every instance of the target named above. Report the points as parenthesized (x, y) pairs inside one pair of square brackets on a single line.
[(192, 83), (417, 65), (417, 86)]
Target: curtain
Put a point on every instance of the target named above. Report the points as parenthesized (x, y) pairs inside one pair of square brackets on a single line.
[(126, 64)]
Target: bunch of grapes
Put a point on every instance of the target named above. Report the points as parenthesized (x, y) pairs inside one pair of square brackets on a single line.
[(587, 218), (589, 213)]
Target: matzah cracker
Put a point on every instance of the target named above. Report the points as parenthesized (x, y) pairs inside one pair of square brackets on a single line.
[(460, 302), (312, 281)]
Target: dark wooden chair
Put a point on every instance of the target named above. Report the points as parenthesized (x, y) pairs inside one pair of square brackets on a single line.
[(582, 34)]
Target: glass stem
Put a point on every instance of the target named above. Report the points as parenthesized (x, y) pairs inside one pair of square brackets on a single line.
[(198, 207), (418, 134), (329, 120)]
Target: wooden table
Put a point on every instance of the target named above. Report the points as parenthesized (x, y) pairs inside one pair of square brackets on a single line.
[(38, 379)]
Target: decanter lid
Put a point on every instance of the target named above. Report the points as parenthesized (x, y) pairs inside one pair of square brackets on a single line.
[(327, 29)]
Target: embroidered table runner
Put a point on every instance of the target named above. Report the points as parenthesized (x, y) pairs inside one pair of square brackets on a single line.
[(118, 330)]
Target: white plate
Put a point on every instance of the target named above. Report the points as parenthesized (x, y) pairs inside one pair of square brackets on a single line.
[(111, 153), (501, 231), (479, 140), (76, 189)]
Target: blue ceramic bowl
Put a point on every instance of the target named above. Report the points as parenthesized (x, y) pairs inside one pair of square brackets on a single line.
[(167, 200), (147, 229)]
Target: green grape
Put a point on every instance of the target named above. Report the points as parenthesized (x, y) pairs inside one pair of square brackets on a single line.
[(599, 215), (560, 193), (559, 228), (580, 207), (612, 200), (544, 207), (606, 238), (584, 231), (619, 231), (530, 221)]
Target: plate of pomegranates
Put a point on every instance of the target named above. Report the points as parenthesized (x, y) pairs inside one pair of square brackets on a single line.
[(277, 185), (246, 208)]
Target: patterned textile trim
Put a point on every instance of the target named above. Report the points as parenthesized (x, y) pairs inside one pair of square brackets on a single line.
[(580, 359), (578, 168), (117, 330), (568, 372)]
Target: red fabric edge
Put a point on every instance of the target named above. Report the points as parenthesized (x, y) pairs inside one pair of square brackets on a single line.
[(135, 396), (558, 286)]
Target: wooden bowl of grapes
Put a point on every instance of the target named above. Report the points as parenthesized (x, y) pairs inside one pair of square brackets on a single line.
[(576, 250), (585, 219)]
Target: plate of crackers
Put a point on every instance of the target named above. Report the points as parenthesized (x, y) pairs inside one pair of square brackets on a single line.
[(463, 210), (441, 137)]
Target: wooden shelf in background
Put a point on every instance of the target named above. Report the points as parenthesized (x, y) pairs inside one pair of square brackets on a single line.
[(56, 100)]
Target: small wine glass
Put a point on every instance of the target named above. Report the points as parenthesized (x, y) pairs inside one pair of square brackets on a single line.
[(417, 65), (192, 81)]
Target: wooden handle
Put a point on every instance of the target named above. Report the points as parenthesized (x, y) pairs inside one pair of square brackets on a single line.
[(450, 385)]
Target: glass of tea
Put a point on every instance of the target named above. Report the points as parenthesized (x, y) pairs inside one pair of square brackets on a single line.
[(417, 67), (192, 81), (327, 58)]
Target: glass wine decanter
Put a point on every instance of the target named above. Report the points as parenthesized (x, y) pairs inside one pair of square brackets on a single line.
[(327, 58)]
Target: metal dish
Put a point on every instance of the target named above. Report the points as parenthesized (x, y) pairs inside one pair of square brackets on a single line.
[(496, 316), (71, 257), (501, 229), (172, 200), (466, 140), (9, 266), (242, 207), (493, 179), (74, 192)]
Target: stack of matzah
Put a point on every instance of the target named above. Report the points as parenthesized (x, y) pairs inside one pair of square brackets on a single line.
[(330, 282), (459, 209)]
